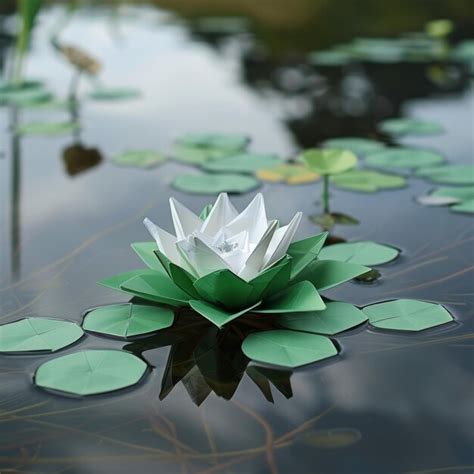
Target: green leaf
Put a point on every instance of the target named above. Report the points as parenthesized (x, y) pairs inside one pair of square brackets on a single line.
[(358, 146), (329, 161), (363, 252), (407, 315), (242, 163), (25, 97), (325, 274), (139, 158), (183, 279), (47, 128), (146, 251), (216, 315), (449, 174), (272, 280), (224, 288), (300, 297), (466, 207), (195, 155), (404, 158), (114, 93), (303, 252), (289, 173), (336, 318), (38, 334), (115, 282), (128, 320), (461, 194), (91, 372), (368, 181), (407, 126), (222, 141), (215, 183), (287, 348), (205, 212)]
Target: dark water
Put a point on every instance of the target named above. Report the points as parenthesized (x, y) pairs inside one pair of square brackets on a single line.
[(388, 403)]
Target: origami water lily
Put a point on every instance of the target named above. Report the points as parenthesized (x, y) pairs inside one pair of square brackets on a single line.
[(224, 264)]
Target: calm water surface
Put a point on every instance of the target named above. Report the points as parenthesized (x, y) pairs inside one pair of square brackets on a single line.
[(389, 403)]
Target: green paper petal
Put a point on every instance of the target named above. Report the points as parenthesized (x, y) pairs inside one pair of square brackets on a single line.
[(91, 372), (297, 298), (38, 334), (216, 315), (116, 281), (336, 318), (305, 251), (287, 348), (128, 320), (363, 253), (183, 279), (205, 212), (407, 315), (272, 280), (146, 251)]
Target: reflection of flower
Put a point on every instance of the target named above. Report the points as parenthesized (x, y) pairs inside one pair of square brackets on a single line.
[(224, 264)]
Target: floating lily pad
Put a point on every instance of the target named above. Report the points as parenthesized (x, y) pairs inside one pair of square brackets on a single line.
[(215, 183), (50, 104), (222, 141), (331, 439), (139, 158), (241, 163), (449, 174), (128, 320), (336, 318), (91, 372), (358, 146), (381, 50), (329, 161), (407, 315), (198, 155), (25, 97), (332, 57), (287, 348), (466, 207), (404, 158), (114, 93), (368, 181), (38, 334), (47, 128), (408, 126), (363, 253), (289, 173), (464, 52)]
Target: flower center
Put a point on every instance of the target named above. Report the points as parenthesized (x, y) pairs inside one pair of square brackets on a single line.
[(227, 247)]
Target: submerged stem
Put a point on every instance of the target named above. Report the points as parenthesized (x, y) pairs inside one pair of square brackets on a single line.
[(325, 194)]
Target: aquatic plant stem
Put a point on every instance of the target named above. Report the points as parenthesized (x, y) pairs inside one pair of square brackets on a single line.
[(325, 194)]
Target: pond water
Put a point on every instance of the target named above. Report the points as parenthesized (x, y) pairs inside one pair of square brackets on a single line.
[(388, 403)]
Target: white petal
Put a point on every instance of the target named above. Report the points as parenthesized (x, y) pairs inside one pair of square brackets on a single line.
[(221, 214), (281, 241), (165, 241), (185, 221), (252, 219)]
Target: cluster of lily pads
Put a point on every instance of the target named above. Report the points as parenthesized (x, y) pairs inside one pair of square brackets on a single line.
[(239, 273)]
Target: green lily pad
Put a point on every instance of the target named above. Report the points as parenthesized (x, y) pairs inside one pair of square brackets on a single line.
[(466, 207), (47, 128), (114, 93), (198, 155), (215, 183), (25, 96), (128, 320), (336, 318), (221, 141), (445, 196), (331, 57), (289, 173), (404, 158), (46, 105), (139, 158), (38, 334), (363, 253), (408, 126), (449, 174), (358, 146), (407, 315), (329, 161), (91, 372), (368, 181), (287, 348), (242, 163)]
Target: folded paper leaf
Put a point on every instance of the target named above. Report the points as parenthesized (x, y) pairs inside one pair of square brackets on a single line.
[(303, 252), (128, 320), (287, 348), (363, 253), (146, 251), (91, 372), (216, 315), (272, 280)]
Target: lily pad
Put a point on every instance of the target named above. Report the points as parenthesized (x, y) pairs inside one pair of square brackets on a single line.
[(91, 372), (242, 163), (222, 141), (449, 174), (329, 161), (139, 158), (368, 181), (38, 334), (466, 207), (128, 320), (287, 348), (25, 97), (336, 318), (331, 57), (47, 128), (198, 155), (114, 93), (404, 158), (362, 252), (358, 146), (215, 183), (289, 173), (407, 315), (409, 126)]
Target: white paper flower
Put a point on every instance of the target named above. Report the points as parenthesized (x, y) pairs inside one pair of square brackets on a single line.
[(244, 243)]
